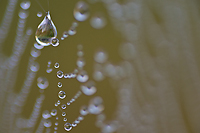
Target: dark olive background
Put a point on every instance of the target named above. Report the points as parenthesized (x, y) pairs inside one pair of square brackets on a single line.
[(66, 54)]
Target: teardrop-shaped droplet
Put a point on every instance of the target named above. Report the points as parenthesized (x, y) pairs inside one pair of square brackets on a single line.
[(46, 31)]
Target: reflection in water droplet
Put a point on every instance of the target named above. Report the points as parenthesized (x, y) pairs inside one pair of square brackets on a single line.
[(84, 110), (98, 21), (47, 123), (25, 5), (60, 74), (96, 105), (42, 83), (89, 88), (56, 65), (39, 14), (46, 31), (54, 42), (67, 126), (59, 84), (61, 94), (81, 11), (53, 112), (82, 76)]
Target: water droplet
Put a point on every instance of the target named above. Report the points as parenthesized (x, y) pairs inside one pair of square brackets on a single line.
[(80, 62), (63, 114), (47, 123), (53, 112), (64, 119), (54, 42), (98, 21), (67, 126), (46, 114), (58, 102), (55, 128), (63, 106), (80, 53), (81, 11), (23, 14), (60, 74), (49, 70), (82, 76), (96, 105), (76, 121), (75, 24), (84, 110), (42, 83), (61, 94), (35, 67), (111, 127), (46, 31), (25, 5), (98, 76), (35, 52), (100, 57), (72, 31), (38, 46), (39, 14), (89, 88), (74, 124), (59, 84), (65, 34), (56, 65), (80, 118), (56, 124)]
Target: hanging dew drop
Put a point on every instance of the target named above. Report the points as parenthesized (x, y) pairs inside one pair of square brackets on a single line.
[(81, 11), (67, 126), (54, 42), (54, 112), (61, 94), (39, 14), (46, 31)]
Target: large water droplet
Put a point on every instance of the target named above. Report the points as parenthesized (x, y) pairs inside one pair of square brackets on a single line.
[(67, 126), (96, 105), (81, 11), (42, 83), (61, 94), (89, 88), (46, 31)]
